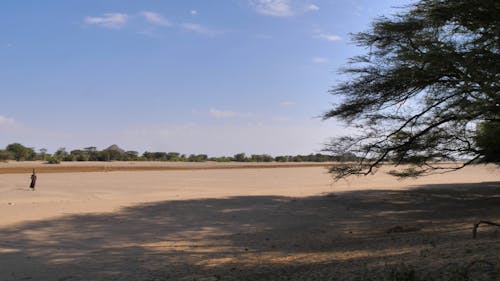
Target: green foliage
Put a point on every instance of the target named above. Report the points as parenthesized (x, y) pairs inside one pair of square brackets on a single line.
[(6, 155), (92, 152), (61, 153), (80, 155), (42, 155), (220, 159), (430, 73), (53, 160), (411, 172), (488, 141), (130, 156), (261, 158), (197, 158), (240, 157), (114, 153), (20, 152)]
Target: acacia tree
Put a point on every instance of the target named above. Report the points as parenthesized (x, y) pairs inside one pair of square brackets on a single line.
[(428, 79)]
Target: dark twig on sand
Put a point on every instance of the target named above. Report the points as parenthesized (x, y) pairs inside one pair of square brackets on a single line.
[(476, 225)]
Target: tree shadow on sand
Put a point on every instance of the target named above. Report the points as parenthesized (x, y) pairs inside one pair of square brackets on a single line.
[(344, 236)]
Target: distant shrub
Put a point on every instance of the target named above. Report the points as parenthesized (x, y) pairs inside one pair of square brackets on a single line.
[(53, 160), (6, 155), (406, 173)]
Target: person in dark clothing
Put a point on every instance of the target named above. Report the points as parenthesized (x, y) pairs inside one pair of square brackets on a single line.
[(33, 181)]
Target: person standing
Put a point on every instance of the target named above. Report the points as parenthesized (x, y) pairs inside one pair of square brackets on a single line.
[(33, 180)]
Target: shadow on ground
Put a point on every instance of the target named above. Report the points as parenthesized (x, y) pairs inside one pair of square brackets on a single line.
[(345, 236)]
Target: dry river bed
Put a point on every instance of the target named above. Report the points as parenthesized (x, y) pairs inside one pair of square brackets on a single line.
[(249, 223)]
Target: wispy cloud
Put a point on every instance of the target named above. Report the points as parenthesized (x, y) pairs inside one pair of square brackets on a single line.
[(282, 8), (217, 113), (198, 28), (152, 21), (312, 7), (108, 20), (326, 36), (329, 37), (6, 120), (155, 18), (319, 60), (277, 8)]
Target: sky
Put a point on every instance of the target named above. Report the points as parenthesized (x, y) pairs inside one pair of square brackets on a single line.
[(192, 76)]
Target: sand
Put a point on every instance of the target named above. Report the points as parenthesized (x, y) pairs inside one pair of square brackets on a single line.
[(249, 223)]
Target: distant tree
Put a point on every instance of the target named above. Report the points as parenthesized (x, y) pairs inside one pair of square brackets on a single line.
[(221, 159), (281, 158), (80, 155), (61, 153), (104, 155), (197, 158), (429, 76), (20, 152), (173, 156), (43, 153), (131, 155), (261, 158), (240, 157), (92, 152), (53, 160), (6, 155)]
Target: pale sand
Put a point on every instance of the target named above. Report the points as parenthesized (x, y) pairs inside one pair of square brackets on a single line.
[(236, 224)]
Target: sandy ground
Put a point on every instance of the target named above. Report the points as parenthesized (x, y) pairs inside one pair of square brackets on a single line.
[(252, 223)]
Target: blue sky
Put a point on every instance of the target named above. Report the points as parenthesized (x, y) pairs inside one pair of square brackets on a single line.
[(215, 77)]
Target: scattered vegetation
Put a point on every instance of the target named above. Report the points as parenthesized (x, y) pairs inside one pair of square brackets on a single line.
[(19, 152)]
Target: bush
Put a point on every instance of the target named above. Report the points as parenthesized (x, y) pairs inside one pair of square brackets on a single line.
[(53, 160), (6, 155)]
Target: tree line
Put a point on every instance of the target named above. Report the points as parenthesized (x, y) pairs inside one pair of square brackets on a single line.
[(19, 152)]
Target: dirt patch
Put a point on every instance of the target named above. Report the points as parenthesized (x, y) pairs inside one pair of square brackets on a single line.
[(248, 224)]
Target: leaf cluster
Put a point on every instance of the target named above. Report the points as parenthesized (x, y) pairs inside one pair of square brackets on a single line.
[(429, 77)]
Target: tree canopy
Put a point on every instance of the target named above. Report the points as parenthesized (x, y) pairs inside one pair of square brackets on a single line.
[(426, 91)]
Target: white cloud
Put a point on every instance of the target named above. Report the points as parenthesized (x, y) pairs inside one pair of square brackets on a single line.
[(330, 37), (200, 29), (194, 12), (325, 36), (155, 18), (319, 60), (282, 8), (6, 120), (108, 20), (277, 8), (217, 113), (312, 7)]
